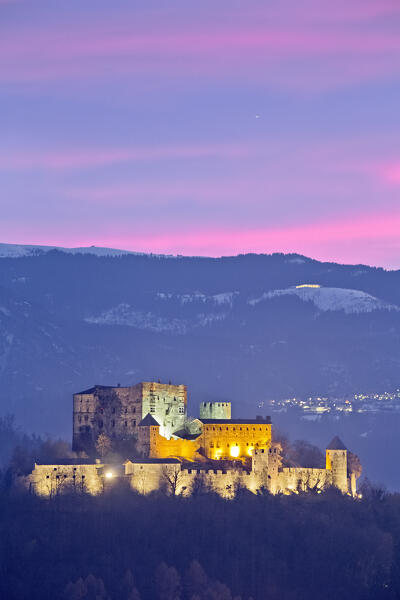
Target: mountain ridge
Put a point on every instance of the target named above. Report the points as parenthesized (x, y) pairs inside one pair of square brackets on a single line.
[(72, 319)]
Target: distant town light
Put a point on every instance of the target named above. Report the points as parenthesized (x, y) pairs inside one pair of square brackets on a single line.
[(109, 475), (308, 285)]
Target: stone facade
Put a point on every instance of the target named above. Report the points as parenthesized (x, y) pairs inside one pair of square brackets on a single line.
[(117, 411), (78, 476), (215, 410)]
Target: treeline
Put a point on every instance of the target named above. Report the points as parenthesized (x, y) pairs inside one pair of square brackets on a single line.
[(123, 546)]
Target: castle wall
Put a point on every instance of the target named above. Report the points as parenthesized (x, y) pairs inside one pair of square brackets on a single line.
[(50, 480), (301, 479), (215, 410), (231, 440), (152, 445)]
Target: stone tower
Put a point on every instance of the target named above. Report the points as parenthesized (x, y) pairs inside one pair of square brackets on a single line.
[(336, 462), (215, 410)]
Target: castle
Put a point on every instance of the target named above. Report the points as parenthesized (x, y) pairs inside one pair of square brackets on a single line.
[(178, 453)]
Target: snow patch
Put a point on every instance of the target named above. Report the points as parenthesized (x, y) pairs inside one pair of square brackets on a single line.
[(332, 299), (125, 314), (225, 298)]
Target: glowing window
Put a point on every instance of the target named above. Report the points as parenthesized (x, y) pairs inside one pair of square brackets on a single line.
[(235, 451)]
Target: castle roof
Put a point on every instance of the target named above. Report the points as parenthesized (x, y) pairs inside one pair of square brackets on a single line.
[(183, 434), (336, 444), (148, 421), (152, 461), (96, 388), (59, 462), (258, 421)]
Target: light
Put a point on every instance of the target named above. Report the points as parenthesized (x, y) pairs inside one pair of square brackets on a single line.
[(109, 475), (250, 451), (235, 450)]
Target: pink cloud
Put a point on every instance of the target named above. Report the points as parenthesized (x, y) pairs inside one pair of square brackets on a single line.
[(368, 239), (93, 157), (273, 50)]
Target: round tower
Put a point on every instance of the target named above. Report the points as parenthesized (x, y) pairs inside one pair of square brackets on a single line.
[(336, 462)]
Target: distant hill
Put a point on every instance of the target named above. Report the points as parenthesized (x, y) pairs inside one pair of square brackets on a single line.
[(246, 328)]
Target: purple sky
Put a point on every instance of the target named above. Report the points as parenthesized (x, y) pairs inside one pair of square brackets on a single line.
[(211, 127)]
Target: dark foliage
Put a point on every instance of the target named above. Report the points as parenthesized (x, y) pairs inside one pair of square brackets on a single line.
[(122, 546)]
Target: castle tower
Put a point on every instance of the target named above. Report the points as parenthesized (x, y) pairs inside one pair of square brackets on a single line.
[(215, 410), (336, 462)]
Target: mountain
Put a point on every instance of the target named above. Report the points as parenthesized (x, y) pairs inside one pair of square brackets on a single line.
[(246, 328)]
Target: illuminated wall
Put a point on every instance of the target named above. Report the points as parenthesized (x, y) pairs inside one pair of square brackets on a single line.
[(235, 439), (50, 480), (153, 445)]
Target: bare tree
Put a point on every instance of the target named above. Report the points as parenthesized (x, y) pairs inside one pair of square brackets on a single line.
[(103, 445), (171, 477)]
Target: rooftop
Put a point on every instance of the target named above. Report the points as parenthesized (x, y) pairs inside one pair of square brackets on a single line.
[(336, 444), (258, 421), (149, 421)]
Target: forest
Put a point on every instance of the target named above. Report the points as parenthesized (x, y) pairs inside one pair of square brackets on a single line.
[(124, 546)]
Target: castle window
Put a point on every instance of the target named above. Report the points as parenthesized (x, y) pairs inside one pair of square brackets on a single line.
[(101, 411), (100, 424), (181, 410), (240, 428), (113, 423), (152, 409), (126, 423), (86, 418), (126, 410), (213, 428), (113, 410), (134, 410), (234, 429), (80, 419), (55, 469), (134, 422), (220, 428)]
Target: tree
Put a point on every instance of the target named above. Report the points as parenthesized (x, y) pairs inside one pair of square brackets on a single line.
[(168, 582), (196, 580), (89, 589), (103, 445), (171, 478)]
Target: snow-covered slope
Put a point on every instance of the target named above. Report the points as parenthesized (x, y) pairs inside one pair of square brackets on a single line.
[(125, 314), (199, 297), (20, 250), (331, 299)]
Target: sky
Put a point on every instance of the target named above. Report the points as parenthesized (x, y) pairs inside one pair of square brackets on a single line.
[(202, 128)]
